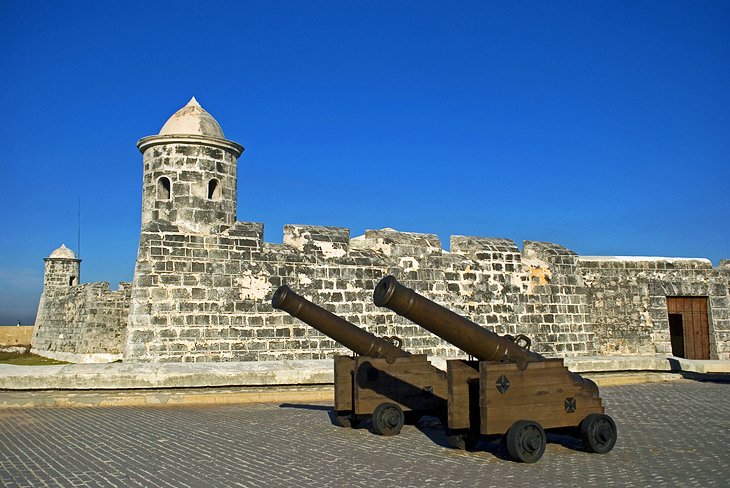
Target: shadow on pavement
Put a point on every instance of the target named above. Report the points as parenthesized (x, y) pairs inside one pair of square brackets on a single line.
[(432, 428), (305, 406), (676, 367)]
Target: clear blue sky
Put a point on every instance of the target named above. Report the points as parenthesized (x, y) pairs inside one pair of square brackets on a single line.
[(602, 126)]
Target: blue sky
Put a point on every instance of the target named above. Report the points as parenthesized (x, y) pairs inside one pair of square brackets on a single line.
[(602, 126)]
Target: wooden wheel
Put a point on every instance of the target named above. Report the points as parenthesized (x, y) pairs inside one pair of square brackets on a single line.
[(598, 433), (526, 441), (388, 419)]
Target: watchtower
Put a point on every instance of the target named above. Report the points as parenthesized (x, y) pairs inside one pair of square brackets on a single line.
[(190, 173), (62, 269)]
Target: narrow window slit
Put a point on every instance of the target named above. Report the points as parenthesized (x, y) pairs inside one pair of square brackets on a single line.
[(214, 190), (163, 188)]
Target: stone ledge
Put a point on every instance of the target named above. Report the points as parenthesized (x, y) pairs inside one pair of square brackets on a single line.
[(164, 397), (609, 364), (119, 376), (122, 376)]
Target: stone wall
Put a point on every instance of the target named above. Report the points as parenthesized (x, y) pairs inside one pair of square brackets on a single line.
[(555, 301), (206, 297), (83, 323), (628, 306)]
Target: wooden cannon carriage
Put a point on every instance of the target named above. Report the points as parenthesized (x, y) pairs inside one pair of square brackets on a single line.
[(510, 391), (380, 380)]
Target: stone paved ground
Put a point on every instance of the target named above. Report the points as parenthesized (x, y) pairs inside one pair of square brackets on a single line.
[(671, 434)]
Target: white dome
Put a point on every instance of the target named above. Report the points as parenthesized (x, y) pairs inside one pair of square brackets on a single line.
[(192, 119), (63, 252)]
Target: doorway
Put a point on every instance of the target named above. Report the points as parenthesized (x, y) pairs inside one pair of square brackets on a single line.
[(689, 327)]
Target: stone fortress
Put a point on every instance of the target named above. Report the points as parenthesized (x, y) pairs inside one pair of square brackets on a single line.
[(203, 281)]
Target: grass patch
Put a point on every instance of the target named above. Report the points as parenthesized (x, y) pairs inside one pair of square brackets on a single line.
[(26, 359)]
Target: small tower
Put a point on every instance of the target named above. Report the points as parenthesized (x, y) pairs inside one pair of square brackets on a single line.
[(62, 269), (190, 173)]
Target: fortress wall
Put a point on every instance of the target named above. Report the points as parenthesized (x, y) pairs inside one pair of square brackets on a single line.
[(555, 300), (628, 307), (80, 322), (207, 297)]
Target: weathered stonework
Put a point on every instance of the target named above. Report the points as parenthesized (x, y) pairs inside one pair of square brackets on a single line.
[(203, 281), (202, 190), (79, 323), (628, 301), (206, 298)]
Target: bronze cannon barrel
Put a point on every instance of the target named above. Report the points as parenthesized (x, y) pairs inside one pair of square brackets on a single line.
[(349, 335), (471, 338)]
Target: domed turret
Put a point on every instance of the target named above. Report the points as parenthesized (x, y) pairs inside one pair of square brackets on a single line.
[(190, 173), (62, 269)]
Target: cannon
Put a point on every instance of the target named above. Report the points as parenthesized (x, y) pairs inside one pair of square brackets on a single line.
[(380, 380), (508, 390)]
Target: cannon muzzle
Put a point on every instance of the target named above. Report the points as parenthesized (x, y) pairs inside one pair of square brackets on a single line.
[(451, 327), (349, 335)]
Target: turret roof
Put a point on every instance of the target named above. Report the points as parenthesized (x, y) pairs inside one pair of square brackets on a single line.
[(63, 252), (192, 119)]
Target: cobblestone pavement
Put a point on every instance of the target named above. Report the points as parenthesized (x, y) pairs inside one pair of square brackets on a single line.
[(671, 434)]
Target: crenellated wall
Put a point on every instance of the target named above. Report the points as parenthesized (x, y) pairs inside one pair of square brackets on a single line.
[(206, 297)]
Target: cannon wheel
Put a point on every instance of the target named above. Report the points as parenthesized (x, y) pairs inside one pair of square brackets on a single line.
[(526, 441), (388, 419), (598, 433), (464, 440)]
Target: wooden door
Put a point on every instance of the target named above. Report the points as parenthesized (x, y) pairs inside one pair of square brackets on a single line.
[(695, 330)]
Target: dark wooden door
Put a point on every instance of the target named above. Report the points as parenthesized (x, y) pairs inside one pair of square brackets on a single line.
[(695, 328)]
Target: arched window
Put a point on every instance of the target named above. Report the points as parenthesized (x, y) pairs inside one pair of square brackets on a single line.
[(71, 281), (214, 189), (163, 188)]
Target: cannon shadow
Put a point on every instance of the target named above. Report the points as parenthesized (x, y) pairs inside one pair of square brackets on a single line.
[(320, 408), (419, 400), (305, 406)]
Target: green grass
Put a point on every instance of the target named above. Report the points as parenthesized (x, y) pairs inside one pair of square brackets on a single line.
[(26, 359)]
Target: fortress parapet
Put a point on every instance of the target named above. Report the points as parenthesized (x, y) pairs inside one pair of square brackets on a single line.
[(393, 243)]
